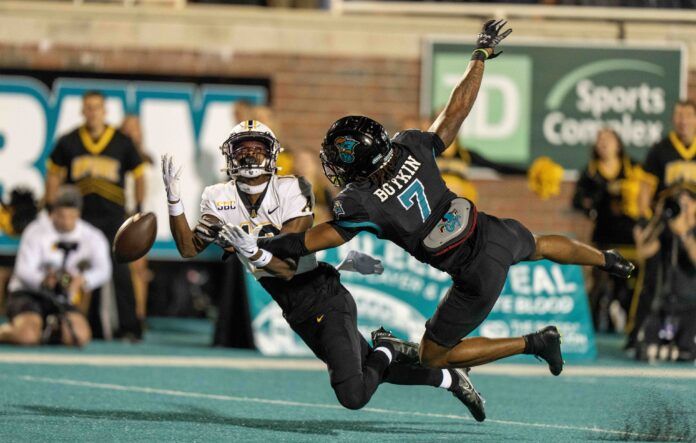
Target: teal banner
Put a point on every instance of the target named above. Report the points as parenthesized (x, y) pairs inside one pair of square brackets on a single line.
[(401, 299)]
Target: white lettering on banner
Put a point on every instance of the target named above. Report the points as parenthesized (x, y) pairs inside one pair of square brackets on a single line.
[(23, 130), (599, 100), (520, 281), (563, 286), (560, 131), (216, 127), (543, 280), (169, 129), (479, 123), (175, 117)]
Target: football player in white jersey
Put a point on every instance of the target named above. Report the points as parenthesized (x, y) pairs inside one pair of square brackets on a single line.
[(314, 302)]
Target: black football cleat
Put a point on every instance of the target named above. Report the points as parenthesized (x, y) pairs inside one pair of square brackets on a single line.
[(406, 351), (464, 390), (616, 264), (547, 343)]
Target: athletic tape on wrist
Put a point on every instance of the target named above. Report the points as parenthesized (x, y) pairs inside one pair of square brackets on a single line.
[(263, 260), (479, 54), (176, 208)]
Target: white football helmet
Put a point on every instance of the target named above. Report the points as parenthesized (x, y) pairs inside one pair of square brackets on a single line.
[(246, 162)]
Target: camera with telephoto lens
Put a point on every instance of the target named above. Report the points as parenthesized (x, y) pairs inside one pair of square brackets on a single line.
[(671, 206)]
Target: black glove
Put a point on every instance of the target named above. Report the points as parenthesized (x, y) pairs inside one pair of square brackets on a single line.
[(490, 36)]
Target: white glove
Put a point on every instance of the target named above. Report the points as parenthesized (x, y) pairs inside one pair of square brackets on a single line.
[(170, 176), (362, 263), (236, 237), (243, 243)]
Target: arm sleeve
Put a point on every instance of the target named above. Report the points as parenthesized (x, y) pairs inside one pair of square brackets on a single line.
[(28, 263), (480, 160), (299, 201), (288, 245), (100, 270), (350, 217)]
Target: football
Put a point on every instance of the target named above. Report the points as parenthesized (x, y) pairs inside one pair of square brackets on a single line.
[(135, 237)]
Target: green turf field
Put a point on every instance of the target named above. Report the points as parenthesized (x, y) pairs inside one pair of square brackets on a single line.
[(173, 387)]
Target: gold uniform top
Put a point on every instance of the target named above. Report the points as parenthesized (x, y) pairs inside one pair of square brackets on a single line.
[(98, 168)]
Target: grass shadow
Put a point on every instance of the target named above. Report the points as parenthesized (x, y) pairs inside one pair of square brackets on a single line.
[(206, 416)]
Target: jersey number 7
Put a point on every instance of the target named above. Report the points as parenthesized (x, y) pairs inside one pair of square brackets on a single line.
[(415, 194)]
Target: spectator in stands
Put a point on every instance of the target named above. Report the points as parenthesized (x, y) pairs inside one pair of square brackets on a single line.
[(669, 162), (669, 330), (60, 260), (96, 157), (607, 192)]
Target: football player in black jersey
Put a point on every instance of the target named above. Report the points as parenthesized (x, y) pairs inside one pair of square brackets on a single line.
[(314, 302), (393, 188)]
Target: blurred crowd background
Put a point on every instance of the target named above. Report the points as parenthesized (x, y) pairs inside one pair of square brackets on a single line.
[(316, 66)]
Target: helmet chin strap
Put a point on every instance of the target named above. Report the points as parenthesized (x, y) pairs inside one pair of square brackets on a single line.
[(252, 189)]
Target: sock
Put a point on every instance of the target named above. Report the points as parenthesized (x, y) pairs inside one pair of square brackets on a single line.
[(446, 379), (532, 343), (388, 352), (400, 374)]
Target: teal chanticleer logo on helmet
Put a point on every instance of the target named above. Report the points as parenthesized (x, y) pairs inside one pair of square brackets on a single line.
[(346, 148)]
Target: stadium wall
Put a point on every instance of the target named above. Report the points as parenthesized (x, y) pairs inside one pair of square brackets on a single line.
[(319, 65)]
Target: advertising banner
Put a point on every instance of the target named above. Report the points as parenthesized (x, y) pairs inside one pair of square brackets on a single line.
[(185, 119), (401, 299), (551, 100)]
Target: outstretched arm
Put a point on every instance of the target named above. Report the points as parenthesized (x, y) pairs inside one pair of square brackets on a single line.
[(189, 242), (320, 237), (285, 268), (447, 124)]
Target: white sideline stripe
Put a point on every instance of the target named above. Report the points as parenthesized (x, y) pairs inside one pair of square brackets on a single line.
[(176, 393), (308, 364)]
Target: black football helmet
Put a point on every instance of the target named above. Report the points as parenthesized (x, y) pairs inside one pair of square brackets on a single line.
[(354, 147)]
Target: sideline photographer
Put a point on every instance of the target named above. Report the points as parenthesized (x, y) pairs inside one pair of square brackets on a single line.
[(669, 295), (60, 260)]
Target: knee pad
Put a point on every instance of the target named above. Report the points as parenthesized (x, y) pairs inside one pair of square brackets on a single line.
[(351, 393)]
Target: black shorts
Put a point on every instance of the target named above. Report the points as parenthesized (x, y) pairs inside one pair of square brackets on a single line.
[(21, 302), (334, 338), (479, 282)]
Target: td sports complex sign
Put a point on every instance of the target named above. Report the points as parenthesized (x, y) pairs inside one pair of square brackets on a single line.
[(551, 100)]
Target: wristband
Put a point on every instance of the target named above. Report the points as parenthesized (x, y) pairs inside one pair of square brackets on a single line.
[(479, 54), (176, 208), (263, 260)]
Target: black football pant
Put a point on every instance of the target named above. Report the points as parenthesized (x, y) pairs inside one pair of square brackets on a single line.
[(123, 287), (354, 368)]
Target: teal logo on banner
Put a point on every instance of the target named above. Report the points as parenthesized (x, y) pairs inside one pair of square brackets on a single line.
[(536, 294)]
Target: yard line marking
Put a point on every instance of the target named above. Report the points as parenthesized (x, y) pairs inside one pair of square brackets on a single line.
[(308, 364), (177, 393)]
